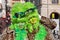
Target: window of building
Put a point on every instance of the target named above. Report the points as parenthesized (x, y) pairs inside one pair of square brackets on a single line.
[(26, 0), (55, 1), (0, 7), (16, 0), (54, 15)]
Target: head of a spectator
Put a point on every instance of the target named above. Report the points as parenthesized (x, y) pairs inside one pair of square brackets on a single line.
[(3, 16)]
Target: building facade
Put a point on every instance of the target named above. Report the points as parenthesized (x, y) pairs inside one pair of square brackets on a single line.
[(50, 8), (2, 8), (11, 2)]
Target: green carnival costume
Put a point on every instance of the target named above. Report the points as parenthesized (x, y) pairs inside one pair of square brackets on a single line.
[(25, 19)]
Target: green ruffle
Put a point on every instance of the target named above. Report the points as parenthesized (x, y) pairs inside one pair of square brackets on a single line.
[(41, 34)]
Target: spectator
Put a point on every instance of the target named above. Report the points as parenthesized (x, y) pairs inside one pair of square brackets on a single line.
[(8, 18), (2, 23)]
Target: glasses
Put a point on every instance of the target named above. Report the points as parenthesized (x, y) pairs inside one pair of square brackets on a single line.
[(23, 14)]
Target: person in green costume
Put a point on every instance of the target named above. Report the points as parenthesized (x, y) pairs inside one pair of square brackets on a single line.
[(25, 19)]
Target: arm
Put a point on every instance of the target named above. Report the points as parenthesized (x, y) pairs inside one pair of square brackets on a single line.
[(48, 22)]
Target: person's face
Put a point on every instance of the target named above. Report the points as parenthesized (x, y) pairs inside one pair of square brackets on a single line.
[(3, 16)]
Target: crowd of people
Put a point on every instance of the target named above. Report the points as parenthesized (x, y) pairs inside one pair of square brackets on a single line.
[(5, 21)]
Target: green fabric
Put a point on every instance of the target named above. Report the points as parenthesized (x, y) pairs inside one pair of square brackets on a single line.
[(29, 21), (41, 34), (19, 34)]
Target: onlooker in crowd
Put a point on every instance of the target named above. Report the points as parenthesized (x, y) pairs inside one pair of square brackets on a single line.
[(2, 23), (8, 18)]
